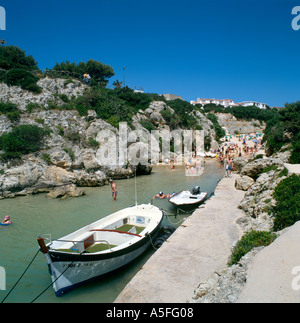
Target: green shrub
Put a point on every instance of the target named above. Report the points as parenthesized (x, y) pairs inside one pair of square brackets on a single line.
[(220, 132), (32, 87), (295, 156), (15, 57), (93, 143), (39, 121), (250, 240), (147, 125), (47, 159), (7, 107), (73, 136), (269, 168), (32, 106), (167, 115), (70, 152), (99, 72), (284, 172), (64, 98), (21, 140), (61, 131), (10, 110), (23, 78), (287, 196), (14, 116), (259, 156)]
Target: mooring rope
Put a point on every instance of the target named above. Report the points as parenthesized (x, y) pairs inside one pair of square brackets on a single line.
[(47, 286), (56, 278), (21, 276)]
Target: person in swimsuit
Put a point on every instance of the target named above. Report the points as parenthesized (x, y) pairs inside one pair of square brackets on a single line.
[(161, 195), (229, 166), (113, 189)]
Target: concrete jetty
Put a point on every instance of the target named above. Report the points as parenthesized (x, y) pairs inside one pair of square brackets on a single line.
[(198, 248)]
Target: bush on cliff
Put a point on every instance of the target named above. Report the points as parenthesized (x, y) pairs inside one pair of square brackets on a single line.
[(21, 140), (23, 78), (99, 72), (250, 240), (10, 110), (285, 129), (220, 132), (295, 156), (287, 196)]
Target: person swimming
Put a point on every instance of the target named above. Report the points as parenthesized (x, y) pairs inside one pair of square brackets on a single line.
[(161, 195), (6, 220)]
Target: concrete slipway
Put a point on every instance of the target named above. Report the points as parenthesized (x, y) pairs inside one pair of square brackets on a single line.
[(199, 247)]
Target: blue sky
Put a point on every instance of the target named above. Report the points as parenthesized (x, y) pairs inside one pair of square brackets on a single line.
[(235, 49)]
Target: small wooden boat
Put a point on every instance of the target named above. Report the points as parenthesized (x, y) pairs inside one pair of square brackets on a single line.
[(188, 199), (101, 247)]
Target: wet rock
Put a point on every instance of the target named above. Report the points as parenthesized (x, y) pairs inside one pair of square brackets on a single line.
[(65, 191)]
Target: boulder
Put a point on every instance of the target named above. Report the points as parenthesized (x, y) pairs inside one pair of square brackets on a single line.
[(60, 158), (65, 192), (86, 179), (239, 163), (243, 183)]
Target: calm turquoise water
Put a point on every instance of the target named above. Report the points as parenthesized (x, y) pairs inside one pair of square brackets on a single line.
[(35, 215)]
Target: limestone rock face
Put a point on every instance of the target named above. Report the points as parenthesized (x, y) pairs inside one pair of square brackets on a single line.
[(50, 87), (243, 183), (66, 191), (80, 150), (232, 125)]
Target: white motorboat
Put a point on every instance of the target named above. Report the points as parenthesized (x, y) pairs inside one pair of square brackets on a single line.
[(188, 199), (101, 247)]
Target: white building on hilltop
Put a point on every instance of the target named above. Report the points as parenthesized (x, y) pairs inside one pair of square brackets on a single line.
[(251, 103), (229, 103), (224, 102)]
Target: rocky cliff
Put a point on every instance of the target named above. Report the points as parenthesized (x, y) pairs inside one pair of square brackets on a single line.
[(234, 126), (70, 155), (258, 178)]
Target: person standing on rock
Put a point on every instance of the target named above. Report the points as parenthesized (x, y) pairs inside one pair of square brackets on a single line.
[(114, 189)]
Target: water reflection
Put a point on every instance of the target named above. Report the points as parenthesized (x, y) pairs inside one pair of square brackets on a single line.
[(35, 215)]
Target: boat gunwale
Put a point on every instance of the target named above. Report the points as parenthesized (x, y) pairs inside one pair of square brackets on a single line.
[(136, 242), (59, 256)]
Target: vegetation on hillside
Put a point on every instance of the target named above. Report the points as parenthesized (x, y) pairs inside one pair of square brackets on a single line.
[(282, 126), (23, 139), (250, 240), (99, 72), (287, 196), (121, 103)]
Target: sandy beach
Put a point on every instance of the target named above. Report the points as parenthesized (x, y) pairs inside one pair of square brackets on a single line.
[(243, 144)]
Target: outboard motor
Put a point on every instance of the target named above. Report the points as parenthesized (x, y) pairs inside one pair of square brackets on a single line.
[(196, 190)]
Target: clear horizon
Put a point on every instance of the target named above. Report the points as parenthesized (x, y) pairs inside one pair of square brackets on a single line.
[(195, 49)]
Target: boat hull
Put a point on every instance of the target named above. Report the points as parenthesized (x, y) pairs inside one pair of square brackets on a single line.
[(185, 204), (82, 272), (70, 270)]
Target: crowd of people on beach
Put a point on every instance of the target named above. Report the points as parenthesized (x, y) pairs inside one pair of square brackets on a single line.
[(230, 150)]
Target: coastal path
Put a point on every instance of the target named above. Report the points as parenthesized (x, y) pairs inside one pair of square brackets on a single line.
[(197, 249)]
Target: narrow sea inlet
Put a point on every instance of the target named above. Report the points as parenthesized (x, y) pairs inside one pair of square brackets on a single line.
[(35, 215)]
